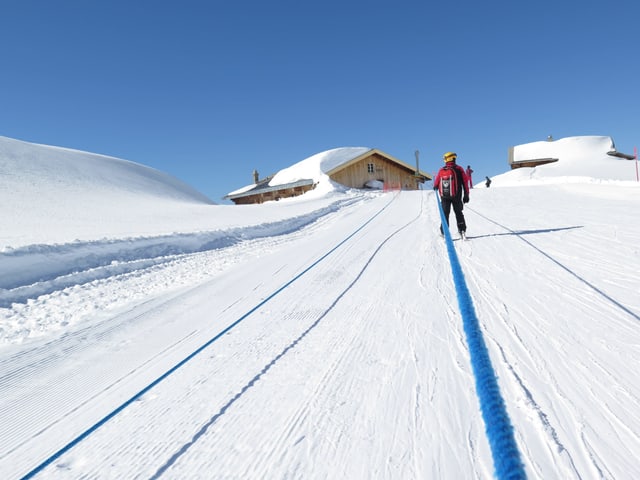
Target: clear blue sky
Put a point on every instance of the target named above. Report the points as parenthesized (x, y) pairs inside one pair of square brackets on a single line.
[(209, 90)]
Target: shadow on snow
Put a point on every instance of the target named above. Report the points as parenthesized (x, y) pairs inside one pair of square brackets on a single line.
[(524, 232)]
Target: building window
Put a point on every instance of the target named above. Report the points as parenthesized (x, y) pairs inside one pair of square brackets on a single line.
[(370, 168)]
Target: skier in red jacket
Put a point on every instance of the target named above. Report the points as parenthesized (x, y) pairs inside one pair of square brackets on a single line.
[(453, 186)]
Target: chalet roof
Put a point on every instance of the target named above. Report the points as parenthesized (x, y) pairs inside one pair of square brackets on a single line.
[(626, 156), (264, 187), (565, 148), (586, 156)]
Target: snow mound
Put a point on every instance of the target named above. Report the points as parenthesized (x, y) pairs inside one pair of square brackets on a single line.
[(31, 169), (579, 159), (57, 195), (317, 166)]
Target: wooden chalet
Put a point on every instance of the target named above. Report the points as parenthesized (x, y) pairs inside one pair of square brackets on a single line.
[(364, 170), (263, 192)]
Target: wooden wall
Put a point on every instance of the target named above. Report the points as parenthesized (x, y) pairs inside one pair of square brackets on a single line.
[(390, 173), (273, 195)]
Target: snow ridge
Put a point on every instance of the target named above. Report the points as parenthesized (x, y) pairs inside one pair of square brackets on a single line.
[(54, 267), (506, 457)]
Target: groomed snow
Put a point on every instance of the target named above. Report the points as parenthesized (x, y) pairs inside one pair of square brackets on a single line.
[(146, 333)]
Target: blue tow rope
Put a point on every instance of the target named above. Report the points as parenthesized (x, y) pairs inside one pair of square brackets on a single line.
[(506, 457)]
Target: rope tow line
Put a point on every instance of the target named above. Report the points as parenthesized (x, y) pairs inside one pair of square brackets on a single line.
[(506, 457)]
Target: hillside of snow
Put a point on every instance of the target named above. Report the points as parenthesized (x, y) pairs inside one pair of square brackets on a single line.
[(52, 195), (160, 336), (34, 168)]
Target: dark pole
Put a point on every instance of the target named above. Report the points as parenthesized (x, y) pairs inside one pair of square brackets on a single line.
[(418, 169)]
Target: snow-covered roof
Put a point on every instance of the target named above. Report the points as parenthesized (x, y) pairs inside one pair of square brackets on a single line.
[(317, 166), (310, 170), (316, 169), (579, 156), (569, 149)]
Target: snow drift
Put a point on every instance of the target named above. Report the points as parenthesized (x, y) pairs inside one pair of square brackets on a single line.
[(30, 169)]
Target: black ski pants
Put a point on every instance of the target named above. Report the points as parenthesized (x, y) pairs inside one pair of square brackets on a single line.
[(457, 204)]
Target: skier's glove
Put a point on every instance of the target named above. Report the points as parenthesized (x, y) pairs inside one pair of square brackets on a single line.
[(465, 198)]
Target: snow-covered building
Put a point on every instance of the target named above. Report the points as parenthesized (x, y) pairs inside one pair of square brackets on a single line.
[(351, 167), (590, 158), (550, 151)]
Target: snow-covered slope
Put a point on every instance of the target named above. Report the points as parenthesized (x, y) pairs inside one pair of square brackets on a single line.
[(320, 337), (51, 195), (46, 190), (58, 174)]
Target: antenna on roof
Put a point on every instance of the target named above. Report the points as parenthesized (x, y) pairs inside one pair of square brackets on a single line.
[(417, 166)]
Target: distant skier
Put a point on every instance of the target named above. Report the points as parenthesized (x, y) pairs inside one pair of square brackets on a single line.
[(469, 172), (488, 182), (452, 183)]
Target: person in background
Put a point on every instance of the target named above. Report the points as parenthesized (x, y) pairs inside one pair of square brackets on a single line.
[(488, 182), (469, 172), (453, 186)]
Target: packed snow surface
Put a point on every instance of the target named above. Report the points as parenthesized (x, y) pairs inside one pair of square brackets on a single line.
[(145, 333)]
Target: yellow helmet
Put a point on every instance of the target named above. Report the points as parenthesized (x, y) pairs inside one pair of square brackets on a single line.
[(449, 157)]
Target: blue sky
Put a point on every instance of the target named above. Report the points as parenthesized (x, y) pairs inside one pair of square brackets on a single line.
[(209, 90)]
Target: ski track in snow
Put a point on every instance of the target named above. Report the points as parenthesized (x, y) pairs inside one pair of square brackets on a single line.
[(35, 299), (525, 365), (319, 377), (265, 370), (279, 345)]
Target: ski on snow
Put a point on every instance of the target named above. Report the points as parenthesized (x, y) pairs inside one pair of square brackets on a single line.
[(463, 236)]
